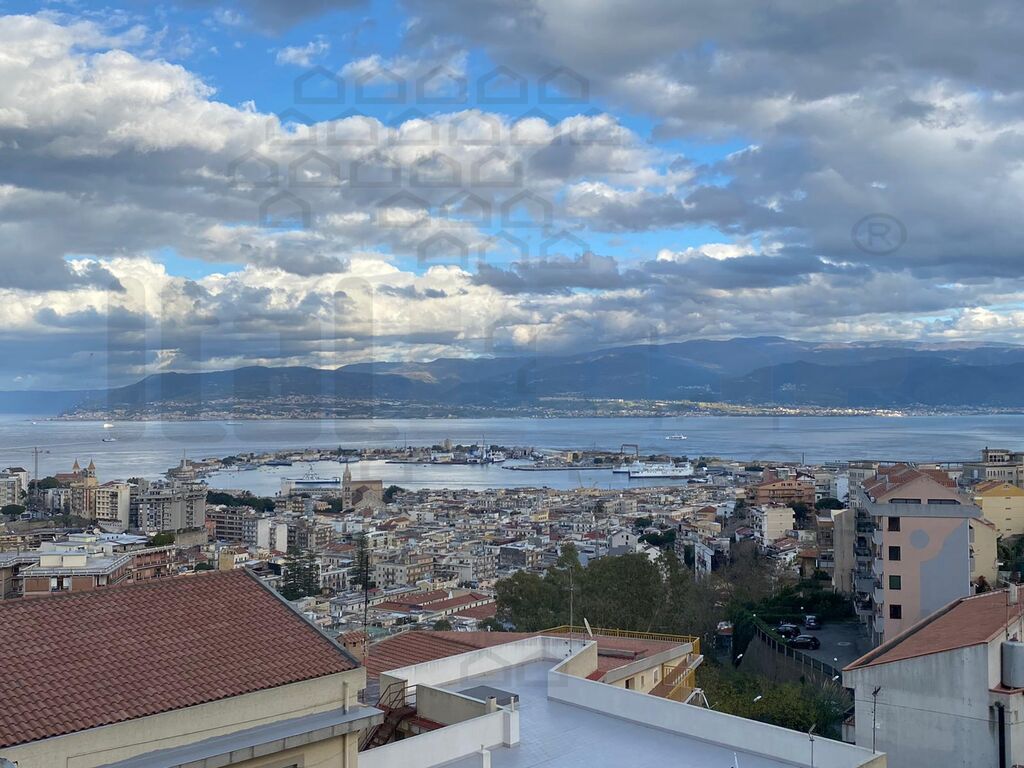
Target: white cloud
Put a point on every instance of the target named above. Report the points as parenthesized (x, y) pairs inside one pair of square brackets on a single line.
[(304, 55)]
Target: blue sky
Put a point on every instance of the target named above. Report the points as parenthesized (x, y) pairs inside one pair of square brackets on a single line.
[(241, 59)]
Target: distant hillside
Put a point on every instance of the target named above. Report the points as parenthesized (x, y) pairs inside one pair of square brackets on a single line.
[(756, 371)]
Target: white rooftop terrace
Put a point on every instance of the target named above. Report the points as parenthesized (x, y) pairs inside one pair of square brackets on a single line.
[(563, 719)]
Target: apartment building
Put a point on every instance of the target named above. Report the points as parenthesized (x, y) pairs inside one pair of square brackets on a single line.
[(229, 523), (947, 692), (254, 685), (519, 554), (785, 491), (1002, 502), (835, 540), (112, 504), (11, 566), (409, 569), (996, 464), (920, 533), (10, 490), (173, 506), (771, 522), (73, 566)]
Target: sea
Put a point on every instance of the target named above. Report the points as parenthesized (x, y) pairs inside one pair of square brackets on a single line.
[(149, 448)]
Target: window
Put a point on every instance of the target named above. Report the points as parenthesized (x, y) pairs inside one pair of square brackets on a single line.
[(894, 553), (895, 582), (894, 523), (895, 611)]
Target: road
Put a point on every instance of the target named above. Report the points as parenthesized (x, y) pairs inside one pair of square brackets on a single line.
[(841, 643)]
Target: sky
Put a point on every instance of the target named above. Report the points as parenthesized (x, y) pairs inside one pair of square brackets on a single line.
[(205, 185)]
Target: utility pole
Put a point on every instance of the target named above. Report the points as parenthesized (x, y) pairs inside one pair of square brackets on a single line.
[(874, 709), (34, 495)]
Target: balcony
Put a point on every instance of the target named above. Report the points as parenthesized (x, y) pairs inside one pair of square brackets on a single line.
[(878, 595), (877, 567), (864, 583), (876, 538)]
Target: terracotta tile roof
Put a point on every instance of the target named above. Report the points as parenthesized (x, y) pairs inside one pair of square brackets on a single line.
[(81, 660), (456, 602), (417, 647), (485, 611), (964, 622)]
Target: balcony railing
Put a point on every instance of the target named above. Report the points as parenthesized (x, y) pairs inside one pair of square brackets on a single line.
[(678, 681), (565, 629)]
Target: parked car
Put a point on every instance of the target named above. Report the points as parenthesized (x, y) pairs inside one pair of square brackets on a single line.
[(811, 621), (787, 630), (805, 641)]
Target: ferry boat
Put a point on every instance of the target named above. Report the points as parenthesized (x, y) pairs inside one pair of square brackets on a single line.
[(666, 471), (313, 480), (623, 469)]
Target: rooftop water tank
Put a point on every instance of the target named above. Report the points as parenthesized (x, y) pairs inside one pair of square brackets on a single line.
[(1013, 664)]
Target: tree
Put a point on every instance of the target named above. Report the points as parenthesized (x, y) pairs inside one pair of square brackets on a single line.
[(790, 705), (301, 576), (801, 513), (361, 573), (442, 625), (203, 567), (829, 502), (12, 511), (391, 491), (661, 539), (491, 624), (259, 503), (530, 602), (624, 592), (162, 539)]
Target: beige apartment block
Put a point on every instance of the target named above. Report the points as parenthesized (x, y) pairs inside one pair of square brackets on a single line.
[(1001, 502)]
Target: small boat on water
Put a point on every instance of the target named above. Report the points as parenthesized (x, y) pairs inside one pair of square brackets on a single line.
[(675, 437), (109, 439), (108, 425)]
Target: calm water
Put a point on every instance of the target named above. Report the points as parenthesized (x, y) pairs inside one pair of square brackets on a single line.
[(149, 448)]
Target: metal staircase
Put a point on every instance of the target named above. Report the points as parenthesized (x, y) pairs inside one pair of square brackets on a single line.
[(398, 702)]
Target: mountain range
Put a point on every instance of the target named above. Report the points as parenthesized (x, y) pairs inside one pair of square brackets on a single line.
[(763, 371)]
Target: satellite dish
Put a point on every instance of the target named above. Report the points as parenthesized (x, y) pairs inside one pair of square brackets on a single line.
[(587, 625)]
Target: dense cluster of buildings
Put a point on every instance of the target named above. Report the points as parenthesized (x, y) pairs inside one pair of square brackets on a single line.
[(121, 505), (914, 548)]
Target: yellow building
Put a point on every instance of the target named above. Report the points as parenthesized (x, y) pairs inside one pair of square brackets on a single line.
[(984, 553), (1003, 504)]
